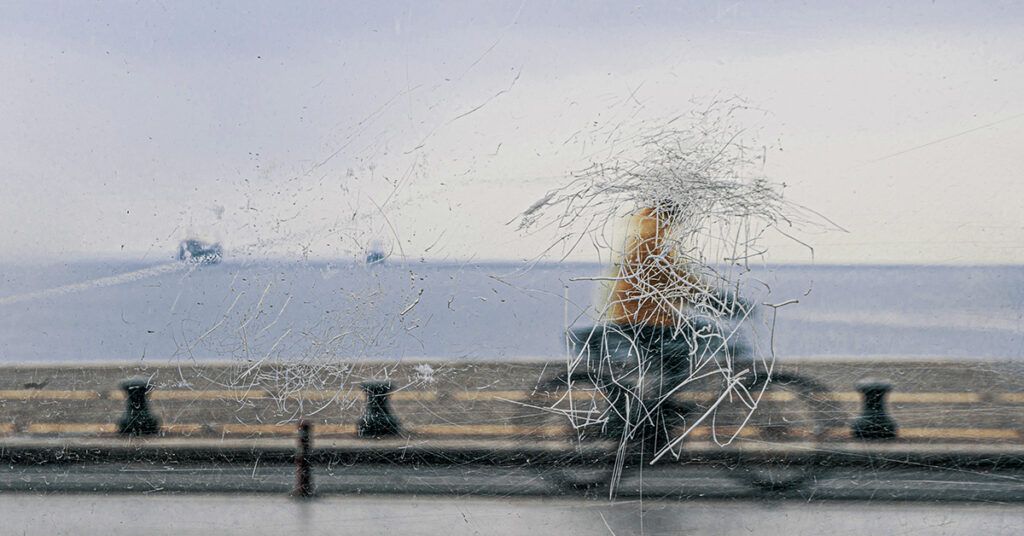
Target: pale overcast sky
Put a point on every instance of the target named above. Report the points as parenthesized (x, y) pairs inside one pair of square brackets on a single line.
[(285, 129)]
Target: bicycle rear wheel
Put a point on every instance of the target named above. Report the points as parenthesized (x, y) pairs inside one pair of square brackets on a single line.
[(575, 408)]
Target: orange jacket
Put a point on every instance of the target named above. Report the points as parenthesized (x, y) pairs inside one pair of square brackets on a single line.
[(650, 287)]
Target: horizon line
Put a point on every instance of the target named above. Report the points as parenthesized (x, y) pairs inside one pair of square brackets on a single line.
[(142, 258)]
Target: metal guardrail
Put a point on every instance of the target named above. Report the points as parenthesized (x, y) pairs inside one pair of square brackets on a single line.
[(379, 423), (380, 440)]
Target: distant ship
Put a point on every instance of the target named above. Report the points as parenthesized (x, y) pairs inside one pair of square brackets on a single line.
[(375, 253), (375, 257), (197, 251)]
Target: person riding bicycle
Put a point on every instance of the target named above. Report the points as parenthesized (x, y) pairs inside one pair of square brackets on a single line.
[(662, 326), (653, 290), (650, 325), (642, 348)]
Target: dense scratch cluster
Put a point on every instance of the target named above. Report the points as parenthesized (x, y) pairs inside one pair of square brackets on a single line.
[(699, 171), (306, 367)]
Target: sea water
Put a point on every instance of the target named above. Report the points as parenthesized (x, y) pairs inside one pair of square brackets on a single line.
[(105, 311)]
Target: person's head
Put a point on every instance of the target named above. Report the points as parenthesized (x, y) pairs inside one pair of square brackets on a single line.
[(667, 209)]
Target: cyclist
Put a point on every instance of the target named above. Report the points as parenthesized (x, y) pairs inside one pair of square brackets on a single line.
[(652, 293), (652, 328), (642, 349)]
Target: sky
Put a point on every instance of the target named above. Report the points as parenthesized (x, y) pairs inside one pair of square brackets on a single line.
[(314, 130)]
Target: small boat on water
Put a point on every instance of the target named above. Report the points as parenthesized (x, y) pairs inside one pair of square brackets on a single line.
[(197, 251)]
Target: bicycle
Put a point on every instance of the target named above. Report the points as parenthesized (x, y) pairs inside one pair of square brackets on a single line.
[(614, 400)]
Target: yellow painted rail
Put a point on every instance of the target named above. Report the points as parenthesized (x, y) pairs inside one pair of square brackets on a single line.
[(472, 396), (486, 430)]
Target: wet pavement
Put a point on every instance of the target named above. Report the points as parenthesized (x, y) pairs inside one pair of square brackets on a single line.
[(108, 515), (680, 481)]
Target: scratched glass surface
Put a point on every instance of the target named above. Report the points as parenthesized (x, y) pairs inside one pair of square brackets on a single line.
[(511, 268)]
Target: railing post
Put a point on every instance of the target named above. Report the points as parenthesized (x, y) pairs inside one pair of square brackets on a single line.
[(874, 423), (378, 421), (303, 469), (137, 419)]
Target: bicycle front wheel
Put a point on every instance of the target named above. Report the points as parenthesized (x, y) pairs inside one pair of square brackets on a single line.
[(778, 439)]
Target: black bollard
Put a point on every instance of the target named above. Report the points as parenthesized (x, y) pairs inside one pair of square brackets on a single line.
[(303, 469), (874, 423), (378, 421), (137, 420)]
